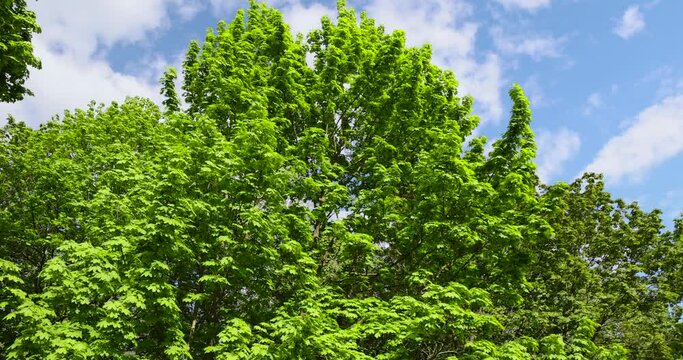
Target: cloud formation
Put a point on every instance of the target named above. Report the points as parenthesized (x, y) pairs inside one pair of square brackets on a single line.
[(224, 9), (555, 148), (303, 18), (631, 22), (534, 91), (535, 46), (73, 48), (654, 137), (67, 81), (187, 9), (529, 5), (593, 102)]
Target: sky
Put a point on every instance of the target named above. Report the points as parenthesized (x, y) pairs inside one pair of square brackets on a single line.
[(605, 78)]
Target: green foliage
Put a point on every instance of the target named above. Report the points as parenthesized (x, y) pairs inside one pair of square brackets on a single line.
[(331, 211), (171, 100), (603, 263), (17, 26)]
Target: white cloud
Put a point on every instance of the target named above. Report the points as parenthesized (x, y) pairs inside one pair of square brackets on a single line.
[(530, 5), (187, 9), (225, 8), (631, 22), (535, 46), (448, 26), (554, 149), (72, 48), (593, 102), (81, 26), (654, 137), (67, 81), (671, 205), (304, 18), (300, 17), (534, 91), (668, 80)]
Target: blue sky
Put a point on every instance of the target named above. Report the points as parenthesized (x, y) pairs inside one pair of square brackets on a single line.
[(605, 78)]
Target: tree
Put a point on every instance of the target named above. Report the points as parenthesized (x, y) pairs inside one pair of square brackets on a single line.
[(17, 26), (604, 262), (331, 211)]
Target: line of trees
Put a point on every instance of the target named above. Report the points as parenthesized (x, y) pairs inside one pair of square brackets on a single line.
[(337, 210)]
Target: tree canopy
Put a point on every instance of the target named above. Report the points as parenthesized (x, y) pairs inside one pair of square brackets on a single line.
[(17, 26), (317, 198)]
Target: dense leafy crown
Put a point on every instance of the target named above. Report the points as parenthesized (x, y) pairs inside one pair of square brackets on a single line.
[(318, 198)]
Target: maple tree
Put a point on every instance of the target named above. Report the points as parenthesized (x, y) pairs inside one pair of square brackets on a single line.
[(337, 210)]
